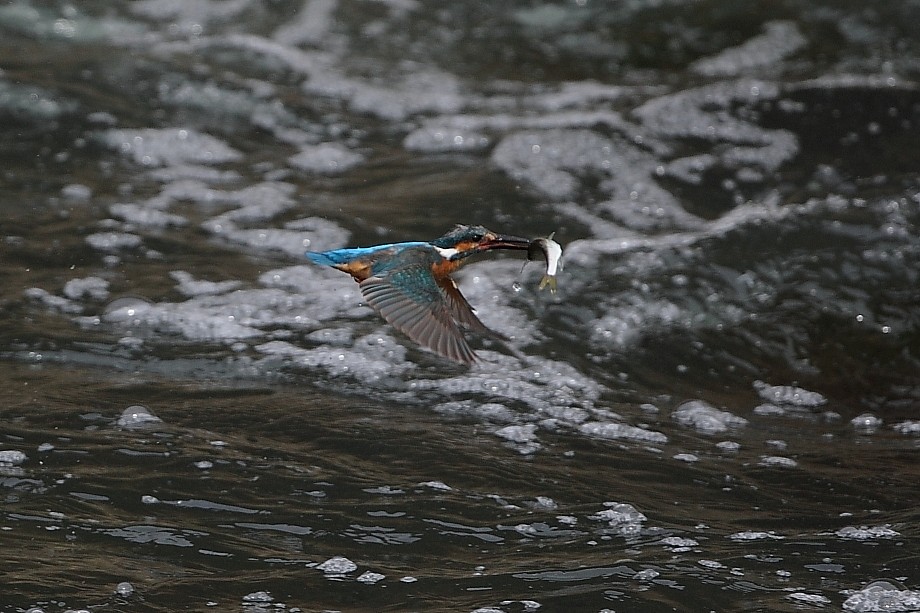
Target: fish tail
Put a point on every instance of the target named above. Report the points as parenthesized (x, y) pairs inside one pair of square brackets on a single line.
[(549, 280)]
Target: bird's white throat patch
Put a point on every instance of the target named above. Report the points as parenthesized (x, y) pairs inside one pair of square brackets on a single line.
[(447, 254)]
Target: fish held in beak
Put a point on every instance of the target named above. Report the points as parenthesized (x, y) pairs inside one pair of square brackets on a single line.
[(551, 251)]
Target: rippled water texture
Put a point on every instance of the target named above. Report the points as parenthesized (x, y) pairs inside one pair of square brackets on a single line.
[(717, 411)]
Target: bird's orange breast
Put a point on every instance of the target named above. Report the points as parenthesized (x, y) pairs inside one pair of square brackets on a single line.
[(445, 267)]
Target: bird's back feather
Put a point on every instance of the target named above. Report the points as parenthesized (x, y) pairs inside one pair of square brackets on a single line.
[(336, 257)]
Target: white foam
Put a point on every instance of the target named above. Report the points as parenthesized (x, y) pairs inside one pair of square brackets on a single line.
[(867, 533), (620, 431), (357, 362), (705, 113), (518, 434), (705, 418), (440, 139), (552, 161), (188, 285), (258, 104), (260, 203), (680, 543), (627, 318), (58, 303), (488, 411), (437, 485), (326, 158), (779, 40), (77, 192), (370, 578), (146, 216), (310, 25), (260, 597), (331, 294), (29, 102), (224, 318), (789, 395), (816, 600), (188, 11), (394, 98), (578, 94), (169, 146), (907, 427), (113, 241), (193, 173), (777, 462), (338, 565), (11, 457), (622, 517), (882, 596), (95, 288), (752, 535)]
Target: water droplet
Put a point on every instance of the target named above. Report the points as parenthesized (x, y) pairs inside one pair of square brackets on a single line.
[(124, 589)]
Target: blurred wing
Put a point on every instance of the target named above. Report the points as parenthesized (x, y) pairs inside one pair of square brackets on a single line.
[(462, 311), (410, 301)]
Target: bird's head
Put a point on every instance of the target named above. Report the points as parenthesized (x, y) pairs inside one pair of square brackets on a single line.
[(463, 241)]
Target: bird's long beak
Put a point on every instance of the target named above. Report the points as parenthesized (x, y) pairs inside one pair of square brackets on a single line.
[(503, 241)]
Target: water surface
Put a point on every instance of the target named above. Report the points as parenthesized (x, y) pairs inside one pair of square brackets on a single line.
[(717, 411)]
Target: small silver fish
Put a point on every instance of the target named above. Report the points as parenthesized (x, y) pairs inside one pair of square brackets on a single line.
[(552, 253)]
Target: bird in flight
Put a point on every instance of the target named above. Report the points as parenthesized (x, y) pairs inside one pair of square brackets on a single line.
[(409, 285)]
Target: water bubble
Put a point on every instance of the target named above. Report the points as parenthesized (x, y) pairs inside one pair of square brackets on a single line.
[(137, 417), (338, 565), (646, 575), (124, 589), (866, 423), (122, 310), (258, 597), (369, 578)]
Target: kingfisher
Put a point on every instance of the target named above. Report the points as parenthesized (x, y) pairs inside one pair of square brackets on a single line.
[(409, 285)]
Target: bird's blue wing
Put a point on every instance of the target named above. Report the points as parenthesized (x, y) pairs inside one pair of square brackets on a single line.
[(323, 258), (339, 257), (409, 299)]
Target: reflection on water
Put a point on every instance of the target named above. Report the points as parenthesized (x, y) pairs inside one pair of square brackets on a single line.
[(717, 411)]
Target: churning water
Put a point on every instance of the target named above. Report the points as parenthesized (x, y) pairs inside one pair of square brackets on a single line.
[(718, 411)]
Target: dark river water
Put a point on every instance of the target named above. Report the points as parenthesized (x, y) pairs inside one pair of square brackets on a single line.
[(719, 410)]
